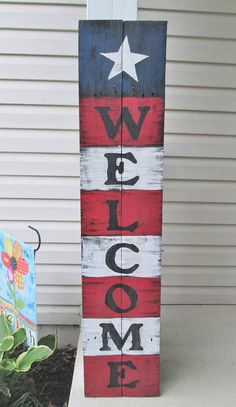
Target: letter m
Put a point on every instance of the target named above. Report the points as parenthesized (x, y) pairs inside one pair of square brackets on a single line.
[(133, 330)]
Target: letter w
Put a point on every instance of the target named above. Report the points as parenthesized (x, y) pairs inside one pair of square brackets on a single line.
[(134, 330), (133, 128)]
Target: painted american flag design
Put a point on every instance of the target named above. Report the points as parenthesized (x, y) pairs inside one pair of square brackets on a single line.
[(122, 88)]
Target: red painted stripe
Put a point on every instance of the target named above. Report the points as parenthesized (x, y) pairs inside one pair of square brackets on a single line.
[(146, 372), (142, 206), (93, 131), (95, 291)]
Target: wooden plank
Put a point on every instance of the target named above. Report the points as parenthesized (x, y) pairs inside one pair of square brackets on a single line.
[(144, 217), (92, 74), (121, 126), (96, 248), (150, 337), (147, 175)]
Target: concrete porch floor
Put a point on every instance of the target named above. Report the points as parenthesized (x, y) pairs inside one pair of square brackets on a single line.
[(198, 361)]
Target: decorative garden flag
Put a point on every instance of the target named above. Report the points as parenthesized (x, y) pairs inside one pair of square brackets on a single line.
[(18, 285), (122, 87)]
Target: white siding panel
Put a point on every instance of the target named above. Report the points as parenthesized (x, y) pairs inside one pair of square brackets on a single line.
[(33, 210), (34, 16), (51, 232), (198, 295), (200, 169), (54, 253), (197, 74), (207, 6), (39, 141), (200, 191), (187, 24), (32, 67), (200, 213), (196, 145), (39, 187)]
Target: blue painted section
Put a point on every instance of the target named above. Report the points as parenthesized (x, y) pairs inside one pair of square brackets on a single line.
[(145, 37)]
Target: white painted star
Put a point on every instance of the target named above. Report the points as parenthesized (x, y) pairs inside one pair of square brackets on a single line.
[(124, 60)]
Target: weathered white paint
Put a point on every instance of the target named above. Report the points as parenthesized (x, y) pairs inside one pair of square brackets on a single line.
[(149, 168), (149, 256), (149, 333), (124, 60)]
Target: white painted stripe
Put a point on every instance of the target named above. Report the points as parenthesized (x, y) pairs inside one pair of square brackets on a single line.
[(149, 334), (149, 167), (94, 250)]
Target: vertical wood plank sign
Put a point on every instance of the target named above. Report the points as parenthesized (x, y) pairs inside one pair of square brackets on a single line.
[(122, 88)]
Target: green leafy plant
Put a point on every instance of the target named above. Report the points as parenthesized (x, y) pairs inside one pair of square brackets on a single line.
[(9, 364)]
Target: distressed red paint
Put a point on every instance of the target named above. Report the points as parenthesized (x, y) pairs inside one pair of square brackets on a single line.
[(93, 131), (95, 291), (137, 205), (97, 373)]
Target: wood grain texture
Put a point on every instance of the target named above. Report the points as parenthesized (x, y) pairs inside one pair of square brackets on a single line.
[(146, 372), (150, 337), (147, 212), (148, 257), (148, 168), (121, 291)]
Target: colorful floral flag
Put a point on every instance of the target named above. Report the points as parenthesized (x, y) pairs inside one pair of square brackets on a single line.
[(18, 285)]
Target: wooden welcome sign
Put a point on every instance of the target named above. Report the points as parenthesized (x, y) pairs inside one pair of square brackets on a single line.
[(122, 86)]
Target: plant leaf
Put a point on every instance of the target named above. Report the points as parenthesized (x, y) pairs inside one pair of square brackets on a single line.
[(49, 340), (7, 364), (20, 304), (4, 329), (33, 354), (6, 344), (19, 337)]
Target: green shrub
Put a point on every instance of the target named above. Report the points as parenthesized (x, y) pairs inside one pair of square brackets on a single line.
[(12, 368)]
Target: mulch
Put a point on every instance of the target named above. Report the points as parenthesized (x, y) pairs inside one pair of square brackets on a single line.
[(53, 376)]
